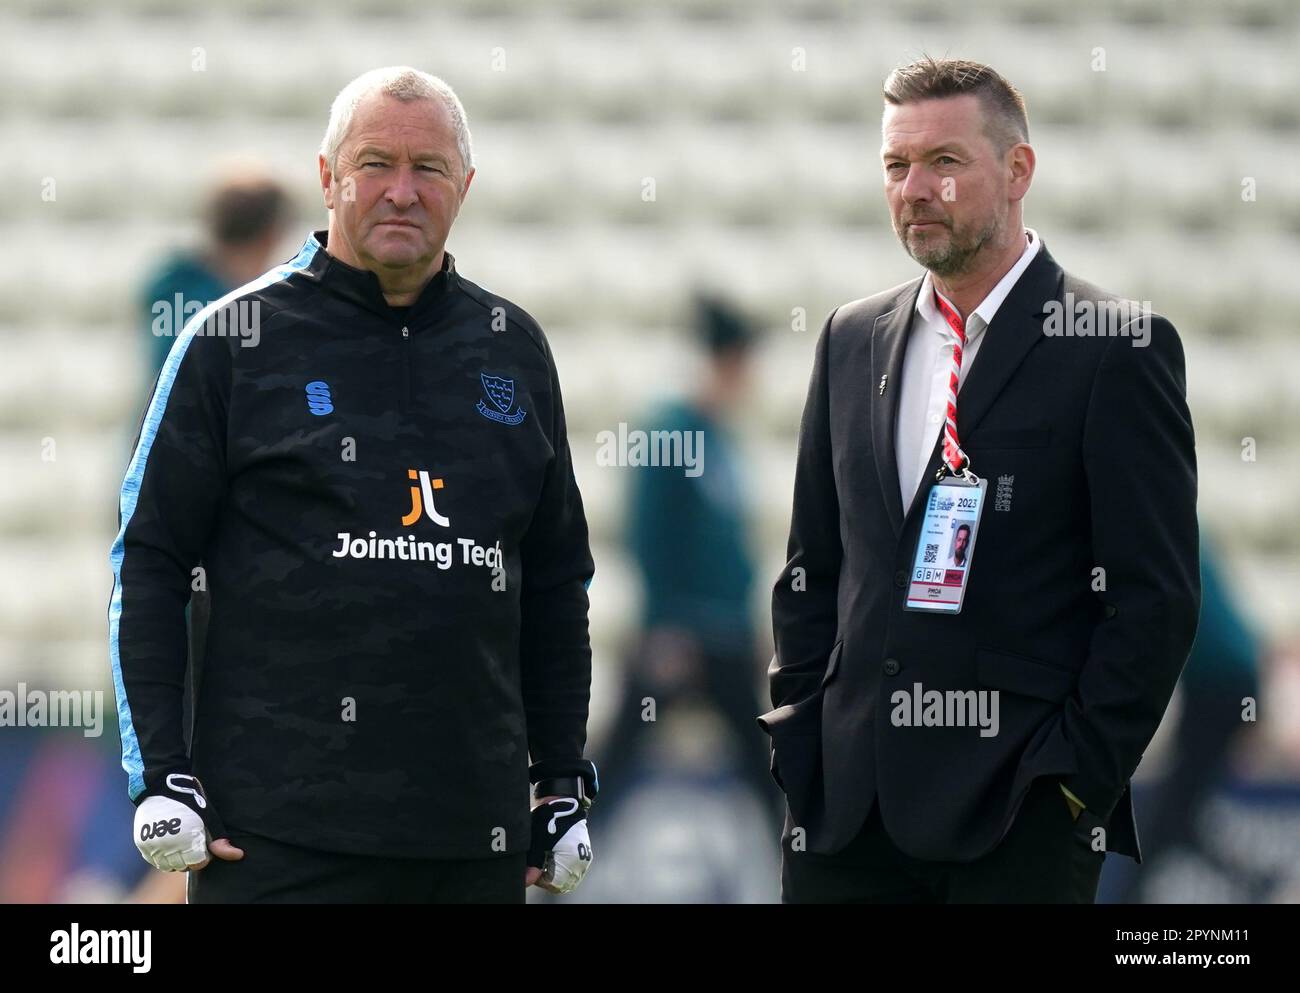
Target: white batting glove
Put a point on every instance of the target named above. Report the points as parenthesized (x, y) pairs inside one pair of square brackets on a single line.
[(561, 846), (175, 823)]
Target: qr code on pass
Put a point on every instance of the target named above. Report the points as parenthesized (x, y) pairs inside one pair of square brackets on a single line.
[(931, 554)]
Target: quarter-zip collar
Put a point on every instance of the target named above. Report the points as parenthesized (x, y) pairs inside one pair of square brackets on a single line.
[(362, 287)]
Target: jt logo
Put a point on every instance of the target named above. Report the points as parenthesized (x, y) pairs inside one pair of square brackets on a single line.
[(422, 499)]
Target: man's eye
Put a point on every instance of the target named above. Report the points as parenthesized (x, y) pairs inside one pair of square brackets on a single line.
[(894, 166), (946, 160), (367, 165)]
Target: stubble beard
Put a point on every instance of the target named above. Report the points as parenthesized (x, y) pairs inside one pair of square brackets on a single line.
[(958, 254)]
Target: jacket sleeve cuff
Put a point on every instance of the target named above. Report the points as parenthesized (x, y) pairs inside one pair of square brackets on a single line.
[(583, 769)]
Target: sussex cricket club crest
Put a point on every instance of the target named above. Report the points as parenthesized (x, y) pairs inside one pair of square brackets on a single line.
[(502, 394)]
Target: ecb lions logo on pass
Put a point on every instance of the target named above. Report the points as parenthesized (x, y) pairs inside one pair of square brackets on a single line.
[(422, 499), (502, 394), (938, 502)]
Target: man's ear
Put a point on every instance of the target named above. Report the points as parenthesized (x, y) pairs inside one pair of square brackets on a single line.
[(326, 182), (469, 178), (1020, 163)]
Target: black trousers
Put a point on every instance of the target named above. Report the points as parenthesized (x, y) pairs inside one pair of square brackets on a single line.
[(273, 872), (1046, 857)]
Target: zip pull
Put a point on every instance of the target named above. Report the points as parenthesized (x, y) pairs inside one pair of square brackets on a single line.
[(406, 368)]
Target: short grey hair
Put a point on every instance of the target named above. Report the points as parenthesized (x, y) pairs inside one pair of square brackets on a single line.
[(406, 84)]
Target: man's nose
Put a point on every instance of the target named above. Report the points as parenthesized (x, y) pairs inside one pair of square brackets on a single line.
[(401, 192), (916, 185)]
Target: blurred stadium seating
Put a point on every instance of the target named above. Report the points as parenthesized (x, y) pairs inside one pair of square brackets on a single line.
[(766, 183)]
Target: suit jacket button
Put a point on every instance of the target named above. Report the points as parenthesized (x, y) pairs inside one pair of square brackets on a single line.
[(900, 579), (892, 667)]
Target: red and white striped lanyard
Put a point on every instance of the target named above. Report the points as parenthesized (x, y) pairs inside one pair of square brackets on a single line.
[(955, 460)]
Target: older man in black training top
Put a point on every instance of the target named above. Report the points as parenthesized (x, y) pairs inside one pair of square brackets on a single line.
[(374, 484)]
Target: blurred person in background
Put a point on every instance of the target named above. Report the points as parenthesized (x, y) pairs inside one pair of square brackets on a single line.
[(689, 537), (72, 785), (245, 218), (1220, 679)]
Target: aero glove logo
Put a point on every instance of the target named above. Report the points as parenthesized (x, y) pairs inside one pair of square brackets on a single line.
[(422, 499), (318, 398)]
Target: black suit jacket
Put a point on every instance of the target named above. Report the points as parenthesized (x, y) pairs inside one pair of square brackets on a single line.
[(1097, 435)]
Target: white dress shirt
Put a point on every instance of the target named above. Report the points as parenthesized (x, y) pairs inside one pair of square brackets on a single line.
[(927, 364)]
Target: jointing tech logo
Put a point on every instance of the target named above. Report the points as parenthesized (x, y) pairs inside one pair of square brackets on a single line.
[(408, 548), (422, 499)]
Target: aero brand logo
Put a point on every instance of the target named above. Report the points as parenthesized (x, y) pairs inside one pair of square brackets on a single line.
[(318, 398), (556, 806), (175, 781), (422, 499), (160, 829)]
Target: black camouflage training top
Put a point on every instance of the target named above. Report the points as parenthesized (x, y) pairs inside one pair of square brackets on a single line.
[(383, 509)]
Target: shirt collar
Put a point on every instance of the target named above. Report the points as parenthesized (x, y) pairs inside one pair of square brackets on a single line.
[(362, 287), (988, 308)]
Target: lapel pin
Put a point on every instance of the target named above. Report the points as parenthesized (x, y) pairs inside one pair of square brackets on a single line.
[(884, 380)]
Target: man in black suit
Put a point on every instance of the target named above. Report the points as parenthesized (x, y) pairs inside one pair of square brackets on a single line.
[(1081, 575)]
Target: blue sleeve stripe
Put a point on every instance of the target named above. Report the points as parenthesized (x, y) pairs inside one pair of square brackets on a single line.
[(132, 761)]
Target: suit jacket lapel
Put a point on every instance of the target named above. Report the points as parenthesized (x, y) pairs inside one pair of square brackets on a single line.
[(888, 343), (1016, 328)]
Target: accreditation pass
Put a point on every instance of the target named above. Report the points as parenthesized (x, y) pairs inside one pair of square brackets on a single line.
[(946, 546)]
